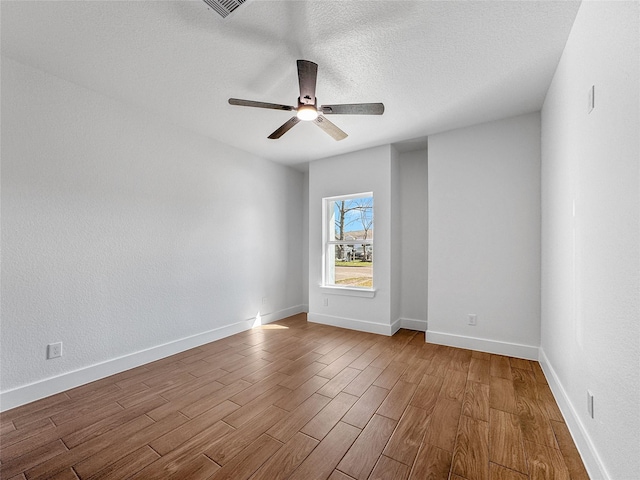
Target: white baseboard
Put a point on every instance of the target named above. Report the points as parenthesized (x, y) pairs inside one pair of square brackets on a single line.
[(353, 324), (413, 324), (50, 386), (371, 327), (395, 326), (280, 314), (528, 352), (590, 458)]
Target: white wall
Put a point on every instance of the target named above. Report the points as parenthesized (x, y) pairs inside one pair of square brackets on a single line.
[(414, 239), (305, 240), (484, 236), (397, 219), (591, 263), (363, 171), (122, 233)]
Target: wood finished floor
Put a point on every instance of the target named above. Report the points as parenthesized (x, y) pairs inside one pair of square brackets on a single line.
[(297, 400)]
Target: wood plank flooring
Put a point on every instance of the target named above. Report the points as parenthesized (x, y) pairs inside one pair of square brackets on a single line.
[(297, 400)]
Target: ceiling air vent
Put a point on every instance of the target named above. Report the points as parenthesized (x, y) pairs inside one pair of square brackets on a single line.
[(224, 7)]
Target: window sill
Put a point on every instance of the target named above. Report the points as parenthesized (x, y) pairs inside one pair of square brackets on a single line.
[(349, 291)]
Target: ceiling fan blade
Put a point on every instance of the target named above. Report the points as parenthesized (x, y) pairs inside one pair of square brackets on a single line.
[(330, 128), (251, 103), (284, 128), (353, 109), (307, 75)]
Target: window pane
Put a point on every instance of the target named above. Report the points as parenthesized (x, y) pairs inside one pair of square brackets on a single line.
[(353, 219), (353, 265)]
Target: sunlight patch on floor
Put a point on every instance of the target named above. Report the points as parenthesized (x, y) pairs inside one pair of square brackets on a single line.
[(258, 323)]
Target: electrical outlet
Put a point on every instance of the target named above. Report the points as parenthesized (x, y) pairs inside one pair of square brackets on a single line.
[(590, 404), (325, 301), (54, 350), (265, 300), (473, 319)]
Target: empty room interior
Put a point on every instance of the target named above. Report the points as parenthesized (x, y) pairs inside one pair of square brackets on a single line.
[(191, 285)]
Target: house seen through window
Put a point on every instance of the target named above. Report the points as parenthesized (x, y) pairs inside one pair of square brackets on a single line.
[(348, 241)]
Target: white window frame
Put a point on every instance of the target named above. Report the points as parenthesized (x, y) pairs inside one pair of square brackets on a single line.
[(328, 247)]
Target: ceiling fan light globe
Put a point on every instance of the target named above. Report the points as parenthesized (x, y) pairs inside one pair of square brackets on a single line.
[(307, 113)]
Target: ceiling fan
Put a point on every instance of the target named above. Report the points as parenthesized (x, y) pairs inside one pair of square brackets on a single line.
[(307, 109)]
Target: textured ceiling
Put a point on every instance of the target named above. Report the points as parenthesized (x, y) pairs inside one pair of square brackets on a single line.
[(435, 65)]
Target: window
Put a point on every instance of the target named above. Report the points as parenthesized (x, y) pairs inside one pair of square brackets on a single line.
[(348, 241)]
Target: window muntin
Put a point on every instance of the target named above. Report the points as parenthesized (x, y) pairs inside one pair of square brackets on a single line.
[(348, 241)]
